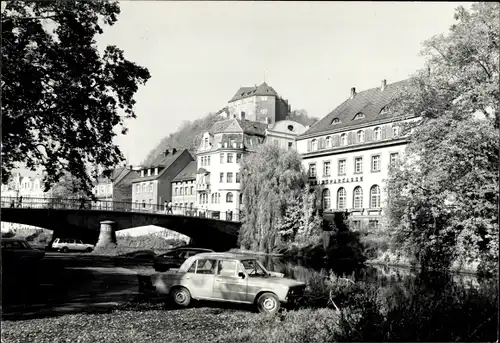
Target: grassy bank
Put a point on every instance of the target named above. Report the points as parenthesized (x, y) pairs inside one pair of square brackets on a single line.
[(130, 244)]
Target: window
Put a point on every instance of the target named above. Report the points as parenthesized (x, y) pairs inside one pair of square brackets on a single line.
[(149, 172), (328, 142), (237, 178), (103, 189), (181, 191), (206, 266), (358, 197), (142, 173), (360, 135), (213, 198), (373, 224), (395, 131), (229, 158), (326, 168), (335, 121), (208, 160), (221, 158), (186, 190), (191, 205), (150, 186), (358, 116), (343, 139), (176, 191), (238, 158), (341, 198), (375, 196), (290, 145), (376, 163), (358, 165), (326, 199), (393, 159), (377, 133), (314, 144), (226, 268), (342, 165), (290, 128), (137, 188), (156, 171), (312, 170), (229, 177), (192, 190), (229, 197), (144, 204), (263, 111), (202, 161), (205, 143), (221, 177), (144, 188)]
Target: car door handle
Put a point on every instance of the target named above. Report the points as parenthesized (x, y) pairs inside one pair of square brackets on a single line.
[(218, 280), (188, 277)]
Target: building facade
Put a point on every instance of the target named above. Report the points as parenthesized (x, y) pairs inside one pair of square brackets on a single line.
[(259, 104), (184, 189), (284, 132), (25, 186), (349, 152), (117, 187), (153, 186)]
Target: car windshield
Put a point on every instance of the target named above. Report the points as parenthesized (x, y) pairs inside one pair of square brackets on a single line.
[(254, 268)]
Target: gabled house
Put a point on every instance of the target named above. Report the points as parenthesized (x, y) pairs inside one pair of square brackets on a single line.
[(153, 186), (117, 187), (184, 189)]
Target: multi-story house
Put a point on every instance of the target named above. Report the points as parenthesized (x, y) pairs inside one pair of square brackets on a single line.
[(284, 132), (349, 152), (154, 185), (184, 189), (117, 187), (258, 103)]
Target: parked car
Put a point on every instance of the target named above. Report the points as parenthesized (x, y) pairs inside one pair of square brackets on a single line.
[(176, 257), (18, 250), (71, 244), (141, 255), (229, 277)]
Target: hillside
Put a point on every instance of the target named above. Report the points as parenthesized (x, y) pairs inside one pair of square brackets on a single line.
[(188, 136)]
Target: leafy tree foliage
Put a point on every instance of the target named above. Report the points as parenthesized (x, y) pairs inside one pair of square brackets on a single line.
[(62, 100), (454, 148), (271, 179), (302, 117)]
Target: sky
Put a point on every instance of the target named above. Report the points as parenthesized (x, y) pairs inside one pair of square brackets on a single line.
[(311, 53)]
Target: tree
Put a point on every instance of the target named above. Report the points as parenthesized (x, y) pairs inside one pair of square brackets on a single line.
[(454, 148), (271, 178), (61, 100), (302, 117)]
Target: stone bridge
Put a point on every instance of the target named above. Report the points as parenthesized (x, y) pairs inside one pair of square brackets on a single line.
[(90, 221)]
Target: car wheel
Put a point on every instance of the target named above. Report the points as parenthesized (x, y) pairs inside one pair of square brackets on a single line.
[(88, 250), (65, 250), (181, 296), (268, 303)]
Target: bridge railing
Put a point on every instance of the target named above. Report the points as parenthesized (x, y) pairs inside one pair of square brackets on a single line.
[(107, 205)]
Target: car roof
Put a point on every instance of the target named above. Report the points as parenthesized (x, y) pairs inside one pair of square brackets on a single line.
[(193, 248), (226, 256)]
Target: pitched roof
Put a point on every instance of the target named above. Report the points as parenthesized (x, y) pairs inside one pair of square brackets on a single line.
[(188, 173), (245, 92), (243, 126), (164, 162), (366, 105)]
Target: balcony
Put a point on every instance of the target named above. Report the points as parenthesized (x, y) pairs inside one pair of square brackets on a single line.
[(201, 187)]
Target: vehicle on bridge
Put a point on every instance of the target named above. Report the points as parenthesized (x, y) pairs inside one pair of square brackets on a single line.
[(70, 244), (228, 277), (17, 250), (176, 257)]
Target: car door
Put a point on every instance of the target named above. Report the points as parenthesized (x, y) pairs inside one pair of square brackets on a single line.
[(228, 285), (79, 245), (201, 282)]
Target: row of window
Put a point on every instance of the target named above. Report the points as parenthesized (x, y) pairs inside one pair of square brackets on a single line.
[(357, 198), (345, 139), (186, 190), (144, 187), (276, 142), (216, 198), (102, 189), (358, 165), (229, 177), (224, 158), (149, 172)]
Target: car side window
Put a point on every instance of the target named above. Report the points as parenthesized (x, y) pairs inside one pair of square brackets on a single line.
[(79, 242), (206, 266), (192, 269), (226, 268)]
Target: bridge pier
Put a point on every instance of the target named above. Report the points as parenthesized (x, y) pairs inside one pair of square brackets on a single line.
[(107, 234)]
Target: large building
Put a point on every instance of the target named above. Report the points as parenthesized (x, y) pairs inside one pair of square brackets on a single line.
[(349, 152), (26, 186), (153, 186), (259, 103)]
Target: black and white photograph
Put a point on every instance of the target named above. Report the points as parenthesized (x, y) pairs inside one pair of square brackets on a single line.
[(249, 171)]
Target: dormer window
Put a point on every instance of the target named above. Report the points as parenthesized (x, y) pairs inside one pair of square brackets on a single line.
[(290, 127), (335, 121), (142, 173), (359, 116), (384, 110), (314, 144)]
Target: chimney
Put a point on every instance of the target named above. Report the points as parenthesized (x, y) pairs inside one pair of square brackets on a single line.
[(353, 92), (242, 115), (383, 85), (130, 167), (166, 152), (174, 150)]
